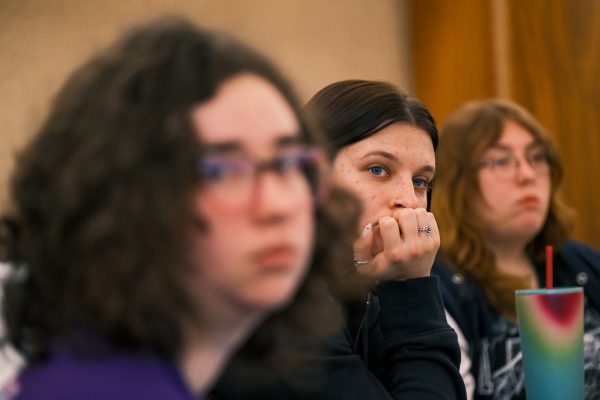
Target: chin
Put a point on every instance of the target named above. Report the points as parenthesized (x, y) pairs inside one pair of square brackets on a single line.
[(528, 230), (271, 297)]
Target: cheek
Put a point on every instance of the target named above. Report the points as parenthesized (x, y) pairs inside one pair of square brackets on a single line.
[(492, 191), (370, 200), (546, 191), (307, 225), (350, 179), (422, 202), (344, 175), (492, 200), (211, 246), (218, 226)]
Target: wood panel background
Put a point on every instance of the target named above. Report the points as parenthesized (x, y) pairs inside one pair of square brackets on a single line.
[(543, 54), (452, 53), (555, 64)]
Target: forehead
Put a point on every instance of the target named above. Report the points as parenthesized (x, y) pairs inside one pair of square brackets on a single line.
[(515, 135), (405, 142), (246, 110)]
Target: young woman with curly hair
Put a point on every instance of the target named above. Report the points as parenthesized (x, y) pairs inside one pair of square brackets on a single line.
[(174, 200)]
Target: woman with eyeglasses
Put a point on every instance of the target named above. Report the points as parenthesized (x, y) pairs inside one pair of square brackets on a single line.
[(174, 200), (498, 204)]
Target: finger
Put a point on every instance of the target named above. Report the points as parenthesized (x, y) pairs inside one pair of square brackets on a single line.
[(435, 232), (393, 243), (425, 224), (362, 247), (407, 221)]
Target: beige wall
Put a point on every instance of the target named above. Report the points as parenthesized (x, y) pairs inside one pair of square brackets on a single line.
[(314, 41)]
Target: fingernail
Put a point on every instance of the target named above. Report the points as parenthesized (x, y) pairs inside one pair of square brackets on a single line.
[(367, 229)]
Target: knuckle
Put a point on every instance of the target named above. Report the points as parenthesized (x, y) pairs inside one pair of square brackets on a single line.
[(421, 212), (414, 251), (403, 213), (397, 254), (358, 246)]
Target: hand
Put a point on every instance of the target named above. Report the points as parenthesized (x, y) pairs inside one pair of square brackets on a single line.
[(395, 249)]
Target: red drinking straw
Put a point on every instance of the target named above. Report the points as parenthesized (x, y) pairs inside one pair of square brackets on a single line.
[(548, 267)]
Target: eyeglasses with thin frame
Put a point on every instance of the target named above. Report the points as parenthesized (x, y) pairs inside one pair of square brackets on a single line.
[(233, 178), (504, 164)]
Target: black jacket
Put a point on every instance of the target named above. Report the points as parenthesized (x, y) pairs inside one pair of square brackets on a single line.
[(404, 349)]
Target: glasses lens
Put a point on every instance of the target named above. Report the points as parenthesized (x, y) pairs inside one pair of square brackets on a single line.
[(228, 177), (538, 160), (306, 169), (314, 167), (233, 178)]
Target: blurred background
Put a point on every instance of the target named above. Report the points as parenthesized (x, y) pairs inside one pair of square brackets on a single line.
[(543, 54)]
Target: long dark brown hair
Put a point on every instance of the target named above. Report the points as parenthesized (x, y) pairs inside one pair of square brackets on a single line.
[(101, 195), (464, 137), (352, 110)]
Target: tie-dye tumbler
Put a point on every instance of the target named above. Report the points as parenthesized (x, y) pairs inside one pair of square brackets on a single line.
[(551, 329)]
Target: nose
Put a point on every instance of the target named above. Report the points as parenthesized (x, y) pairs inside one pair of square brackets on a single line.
[(525, 171), (274, 200), (404, 195)]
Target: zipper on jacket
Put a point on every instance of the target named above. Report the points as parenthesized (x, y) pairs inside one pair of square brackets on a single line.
[(362, 322)]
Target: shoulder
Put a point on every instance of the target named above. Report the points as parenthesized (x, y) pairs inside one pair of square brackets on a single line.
[(113, 376), (580, 252), (448, 278), (454, 286), (581, 261)]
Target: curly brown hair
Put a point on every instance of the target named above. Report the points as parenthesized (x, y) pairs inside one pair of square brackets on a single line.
[(99, 198), (464, 137)]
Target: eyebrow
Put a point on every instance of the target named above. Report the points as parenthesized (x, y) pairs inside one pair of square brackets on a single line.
[(234, 146), (534, 144), (381, 153), (391, 157)]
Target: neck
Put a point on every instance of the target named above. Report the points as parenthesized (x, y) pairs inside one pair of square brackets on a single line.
[(511, 258), (207, 349)]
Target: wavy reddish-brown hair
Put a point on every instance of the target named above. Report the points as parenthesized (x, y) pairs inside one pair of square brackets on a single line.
[(464, 137)]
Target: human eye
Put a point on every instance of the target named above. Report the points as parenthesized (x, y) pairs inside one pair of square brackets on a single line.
[(290, 161), (538, 157), (501, 161), (421, 183), (378, 170), (222, 170)]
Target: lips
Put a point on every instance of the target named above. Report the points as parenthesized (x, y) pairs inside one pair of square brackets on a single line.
[(276, 258), (529, 201)]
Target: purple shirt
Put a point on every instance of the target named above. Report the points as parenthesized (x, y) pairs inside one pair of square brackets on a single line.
[(111, 375)]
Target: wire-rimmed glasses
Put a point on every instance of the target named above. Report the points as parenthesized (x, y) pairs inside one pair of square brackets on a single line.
[(504, 164)]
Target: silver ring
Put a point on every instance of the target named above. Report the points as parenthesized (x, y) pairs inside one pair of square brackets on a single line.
[(426, 229), (358, 262)]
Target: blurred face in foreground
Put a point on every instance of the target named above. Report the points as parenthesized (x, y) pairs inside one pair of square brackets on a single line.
[(254, 198)]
